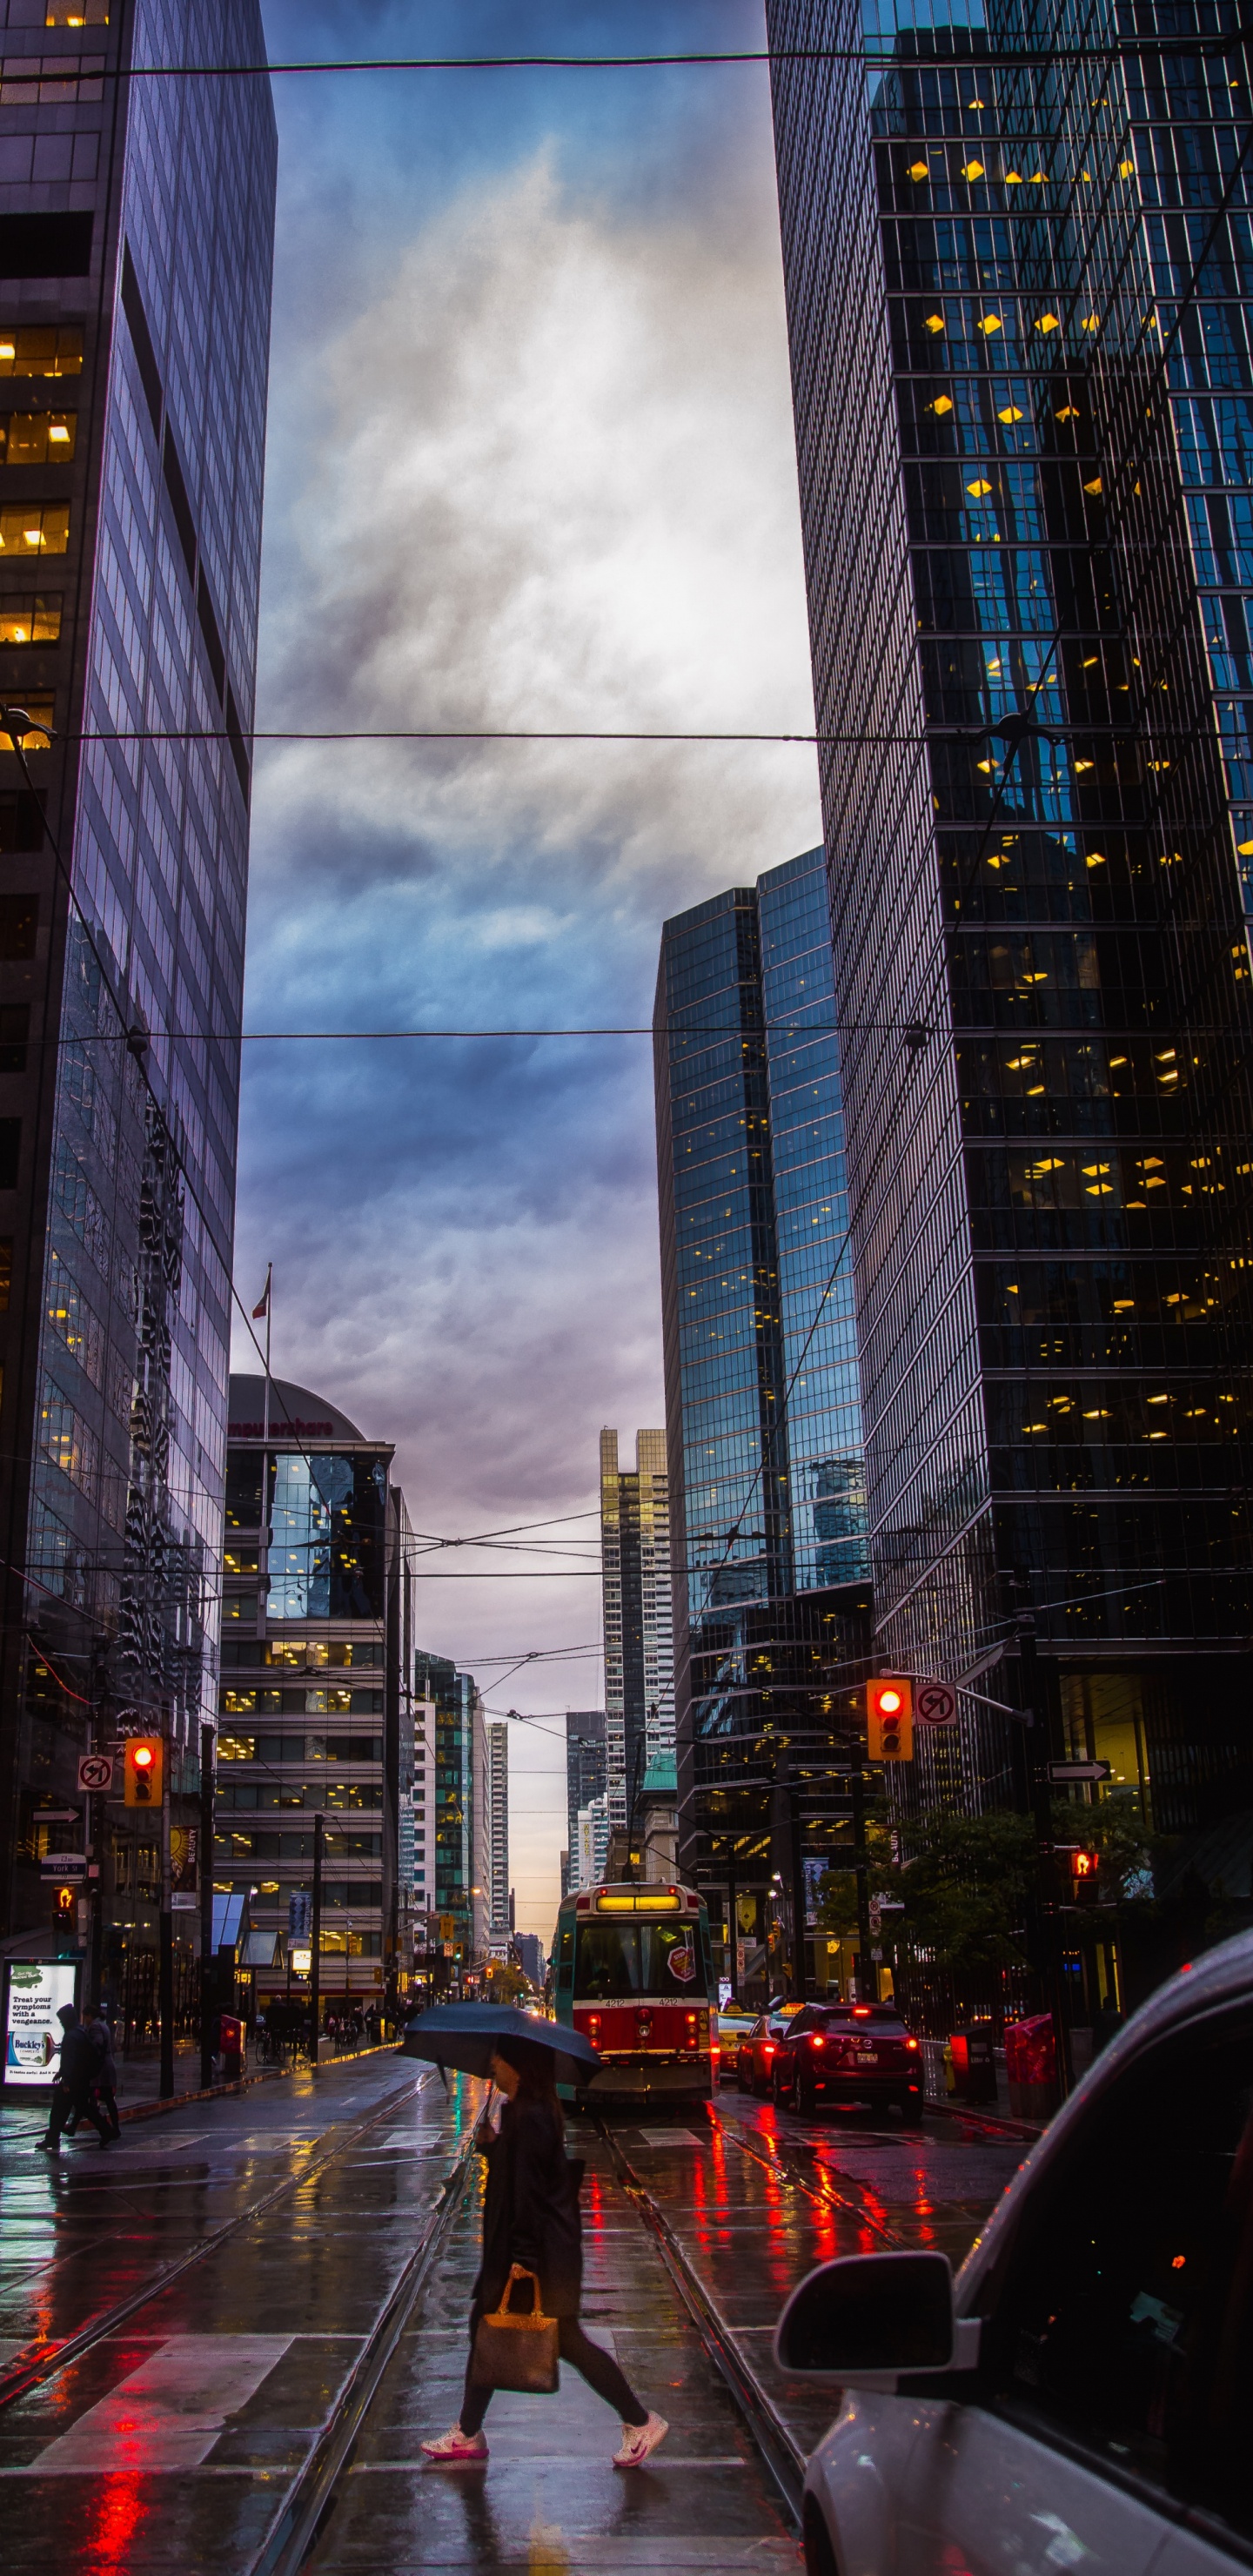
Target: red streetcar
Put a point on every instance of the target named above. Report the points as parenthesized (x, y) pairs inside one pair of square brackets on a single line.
[(632, 1970)]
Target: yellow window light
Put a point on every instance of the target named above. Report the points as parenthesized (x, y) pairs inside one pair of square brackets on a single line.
[(1039, 179), (933, 322), (991, 322), (1094, 486), (1068, 412), (1245, 849), (977, 102), (1091, 322), (1085, 764), (979, 487), (1126, 169), (919, 170), (1048, 322), (1010, 413), (940, 405), (1013, 178), (1097, 859), (972, 170), (987, 766)]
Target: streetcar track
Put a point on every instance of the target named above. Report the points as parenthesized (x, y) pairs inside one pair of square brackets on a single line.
[(31, 2369), (311, 2497), (781, 2168), (775, 2443)]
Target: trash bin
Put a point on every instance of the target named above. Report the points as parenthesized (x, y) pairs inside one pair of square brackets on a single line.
[(974, 2065), (232, 2047), (1031, 2067)]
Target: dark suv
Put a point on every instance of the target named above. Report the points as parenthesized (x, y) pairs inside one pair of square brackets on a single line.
[(847, 2053)]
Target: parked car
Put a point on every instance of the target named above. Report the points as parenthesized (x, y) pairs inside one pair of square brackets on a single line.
[(847, 2053), (734, 2025), (1081, 2394), (752, 2068)]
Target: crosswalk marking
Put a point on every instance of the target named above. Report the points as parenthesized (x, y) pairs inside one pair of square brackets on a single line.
[(168, 2413)]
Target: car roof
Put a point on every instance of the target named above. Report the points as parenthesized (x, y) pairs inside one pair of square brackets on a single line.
[(1222, 1976)]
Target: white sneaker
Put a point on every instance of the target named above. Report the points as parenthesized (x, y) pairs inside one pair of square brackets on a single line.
[(456, 2445), (638, 2440)]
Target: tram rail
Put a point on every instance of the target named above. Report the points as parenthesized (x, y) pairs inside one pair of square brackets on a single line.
[(42, 2362)]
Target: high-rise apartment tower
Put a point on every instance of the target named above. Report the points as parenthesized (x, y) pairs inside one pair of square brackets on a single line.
[(635, 1579), (136, 240), (1019, 303)]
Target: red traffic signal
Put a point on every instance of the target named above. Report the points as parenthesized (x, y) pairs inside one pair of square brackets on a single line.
[(64, 1903), (890, 1719), (142, 1755), (1084, 1867)]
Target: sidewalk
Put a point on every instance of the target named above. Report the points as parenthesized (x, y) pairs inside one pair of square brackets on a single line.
[(139, 2083)]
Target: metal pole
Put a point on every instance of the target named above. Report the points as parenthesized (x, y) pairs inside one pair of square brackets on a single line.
[(166, 1954), (315, 1962), (1052, 1971), (861, 1869), (207, 1962), (733, 1928)]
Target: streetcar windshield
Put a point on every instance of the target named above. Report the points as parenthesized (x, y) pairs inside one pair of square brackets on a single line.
[(613, 1961)]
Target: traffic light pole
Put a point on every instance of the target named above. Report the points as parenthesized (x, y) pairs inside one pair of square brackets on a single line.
[(315, 1960), (861, 1871), (208, 1964), (1052, 1971), (166, 1961)]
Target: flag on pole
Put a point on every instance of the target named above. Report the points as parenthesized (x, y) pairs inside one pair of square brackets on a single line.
[(263, 1307)]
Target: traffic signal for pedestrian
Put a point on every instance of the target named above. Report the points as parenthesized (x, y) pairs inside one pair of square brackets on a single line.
[(890, 1719), (143, 1758), (63, 1905), (1085, 1869)]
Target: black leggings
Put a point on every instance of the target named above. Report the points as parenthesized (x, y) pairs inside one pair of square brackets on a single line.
[(597, 2367)]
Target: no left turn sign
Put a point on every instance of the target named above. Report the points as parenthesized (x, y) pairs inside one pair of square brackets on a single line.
[(95, 1772), (935, 1703)]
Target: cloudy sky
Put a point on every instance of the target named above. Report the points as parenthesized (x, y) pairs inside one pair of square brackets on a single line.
[(530, 466)]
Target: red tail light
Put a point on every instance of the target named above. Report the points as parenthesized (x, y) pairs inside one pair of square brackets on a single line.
[(911, 2043), (816, 2039), (861, 2012), (768, 2050)]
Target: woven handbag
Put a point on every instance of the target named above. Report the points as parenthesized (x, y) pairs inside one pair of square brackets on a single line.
[(517, 2347)]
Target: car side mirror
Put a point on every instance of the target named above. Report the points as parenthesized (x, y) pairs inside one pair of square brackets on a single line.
[(871, 2318)]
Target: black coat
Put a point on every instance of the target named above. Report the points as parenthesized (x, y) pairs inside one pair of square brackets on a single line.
[(80, 2059), (531, 2209)]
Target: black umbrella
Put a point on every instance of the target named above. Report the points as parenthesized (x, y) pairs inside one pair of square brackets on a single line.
[(466, 2035)]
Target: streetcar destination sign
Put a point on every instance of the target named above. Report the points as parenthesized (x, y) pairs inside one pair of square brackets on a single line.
[(1078, 1771)]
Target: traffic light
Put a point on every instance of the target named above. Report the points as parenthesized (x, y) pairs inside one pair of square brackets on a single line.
[(890, 1719), (1084, 1870), (143, 1756), (63, 1908)]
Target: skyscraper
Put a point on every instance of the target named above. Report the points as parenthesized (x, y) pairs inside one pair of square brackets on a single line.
[(1019, 307), (136, 237), (585, 1776), (635, 1583), (498, 1838), (315, 1707), (767, 1500), (459, 1755)]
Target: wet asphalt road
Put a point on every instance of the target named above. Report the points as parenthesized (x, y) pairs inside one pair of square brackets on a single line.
[(173, 2441)]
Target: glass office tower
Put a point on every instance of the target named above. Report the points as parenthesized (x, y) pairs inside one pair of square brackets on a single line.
[(762, 1400), (460, 1759), (136, 238), (1018, 283)]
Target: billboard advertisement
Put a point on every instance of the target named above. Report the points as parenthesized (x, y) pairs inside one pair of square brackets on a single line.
[(32, 2038)]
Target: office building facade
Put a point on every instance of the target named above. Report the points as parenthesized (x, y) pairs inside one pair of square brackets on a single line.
[(763, 1418), (313, 1684), (1018, 302), (585, 1778), (460, 1764), (136, 238)]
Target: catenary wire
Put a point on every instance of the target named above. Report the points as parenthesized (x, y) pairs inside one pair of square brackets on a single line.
[(1019, 58)]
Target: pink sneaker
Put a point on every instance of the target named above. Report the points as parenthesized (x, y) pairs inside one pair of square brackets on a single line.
[(638, 2440), (456, 2445)]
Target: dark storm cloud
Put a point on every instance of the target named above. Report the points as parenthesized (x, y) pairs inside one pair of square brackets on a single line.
[(530, 465)]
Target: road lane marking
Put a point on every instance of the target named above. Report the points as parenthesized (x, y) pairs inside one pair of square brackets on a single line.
[(670, 2138), (168, 2413)]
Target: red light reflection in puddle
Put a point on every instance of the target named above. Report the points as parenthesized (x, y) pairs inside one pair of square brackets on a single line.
[(110, 2532)]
